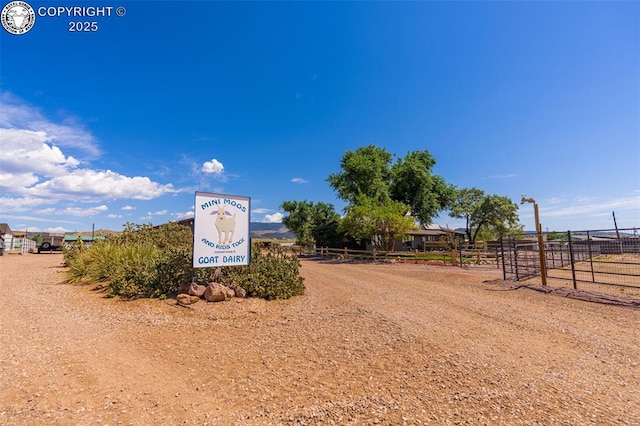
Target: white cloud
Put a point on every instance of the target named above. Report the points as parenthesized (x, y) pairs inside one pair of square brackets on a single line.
[(594, 208), (75, 211), (298, 180), (58, 229), (128, 208), (553, 200), (16, 114), (185, 215), (506, 176), (15, 183), (27, 157), (86, 184), (36, 171), (260, 210), (585, 199), (35, 219), (31, 151), (23, 203), (158, 213), (114, 216), (273, 218), (213, 166)]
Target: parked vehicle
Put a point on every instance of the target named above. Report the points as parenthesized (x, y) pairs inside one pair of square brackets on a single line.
[(51, 243), (47, 246)]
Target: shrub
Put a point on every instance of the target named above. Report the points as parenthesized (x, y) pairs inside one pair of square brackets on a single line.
[(153, 262), (129, 270), (272, 274)]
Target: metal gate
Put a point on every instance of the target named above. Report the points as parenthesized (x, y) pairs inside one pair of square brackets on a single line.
[(603, 261), (520, 259)]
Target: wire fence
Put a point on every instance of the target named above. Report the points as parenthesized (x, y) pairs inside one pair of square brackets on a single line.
[(435, 253), (601, 261), (604, 261)]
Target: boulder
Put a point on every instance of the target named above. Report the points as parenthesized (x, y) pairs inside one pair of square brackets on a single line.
[(187, 299), (215, 293), (184, 288), (239, 291), (196, 290), (230, 292)]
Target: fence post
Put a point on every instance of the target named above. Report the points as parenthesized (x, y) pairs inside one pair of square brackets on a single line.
[(515, 259), (593, 275), (374, 254), (416, 255), (346, 253), (573, 266), (504, 269)]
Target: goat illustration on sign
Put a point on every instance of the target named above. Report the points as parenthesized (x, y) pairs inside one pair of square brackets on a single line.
[(225, 224)]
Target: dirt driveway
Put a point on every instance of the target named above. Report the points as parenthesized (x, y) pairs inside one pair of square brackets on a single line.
[(367, 344)]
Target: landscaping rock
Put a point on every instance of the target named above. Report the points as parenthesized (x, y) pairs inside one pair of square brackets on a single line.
[(230, 292), (239, 291), (196, 290), (184, 288), (215, 293), (187, 299)]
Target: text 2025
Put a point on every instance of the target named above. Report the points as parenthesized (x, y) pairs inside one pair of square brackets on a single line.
[(83, 26)]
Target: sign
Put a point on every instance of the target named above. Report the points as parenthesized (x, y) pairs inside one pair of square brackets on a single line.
[(221, 230)]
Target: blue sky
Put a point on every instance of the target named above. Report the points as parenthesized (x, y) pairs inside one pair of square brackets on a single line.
[(261, 99)]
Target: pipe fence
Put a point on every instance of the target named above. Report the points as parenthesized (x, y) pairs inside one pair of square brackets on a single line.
[(604, 261)]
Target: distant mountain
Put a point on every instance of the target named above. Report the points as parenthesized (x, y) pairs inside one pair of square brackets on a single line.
[(270, 230)]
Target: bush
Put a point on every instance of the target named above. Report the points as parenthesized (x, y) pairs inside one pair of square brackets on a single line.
[(129, 270), (272, 274), (154, 262)]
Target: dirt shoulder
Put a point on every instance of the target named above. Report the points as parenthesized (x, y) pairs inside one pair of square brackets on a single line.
[(387, 344)]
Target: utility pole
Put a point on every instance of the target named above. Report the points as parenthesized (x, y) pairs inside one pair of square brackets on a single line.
[(617, 233), (543, 266), (616, 225)]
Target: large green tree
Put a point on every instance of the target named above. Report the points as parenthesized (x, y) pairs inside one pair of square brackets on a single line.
[(485, 214), (305, 217), (370, 172), (381, 223), (414, 184), (365, 171)]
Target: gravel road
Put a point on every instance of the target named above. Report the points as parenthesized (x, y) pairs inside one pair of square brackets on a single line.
[(385, 344)]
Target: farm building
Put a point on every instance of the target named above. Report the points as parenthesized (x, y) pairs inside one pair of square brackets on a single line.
[(87, 240), (422, 238), (426, 238), (6, 237), (14, 241)]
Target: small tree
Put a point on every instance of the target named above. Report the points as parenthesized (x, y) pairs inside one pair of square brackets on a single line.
[(559, 236), (378, 223), (305, 218), (485, 213)]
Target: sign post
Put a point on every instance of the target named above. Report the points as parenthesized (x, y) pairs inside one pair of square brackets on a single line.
[(221, 230)]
